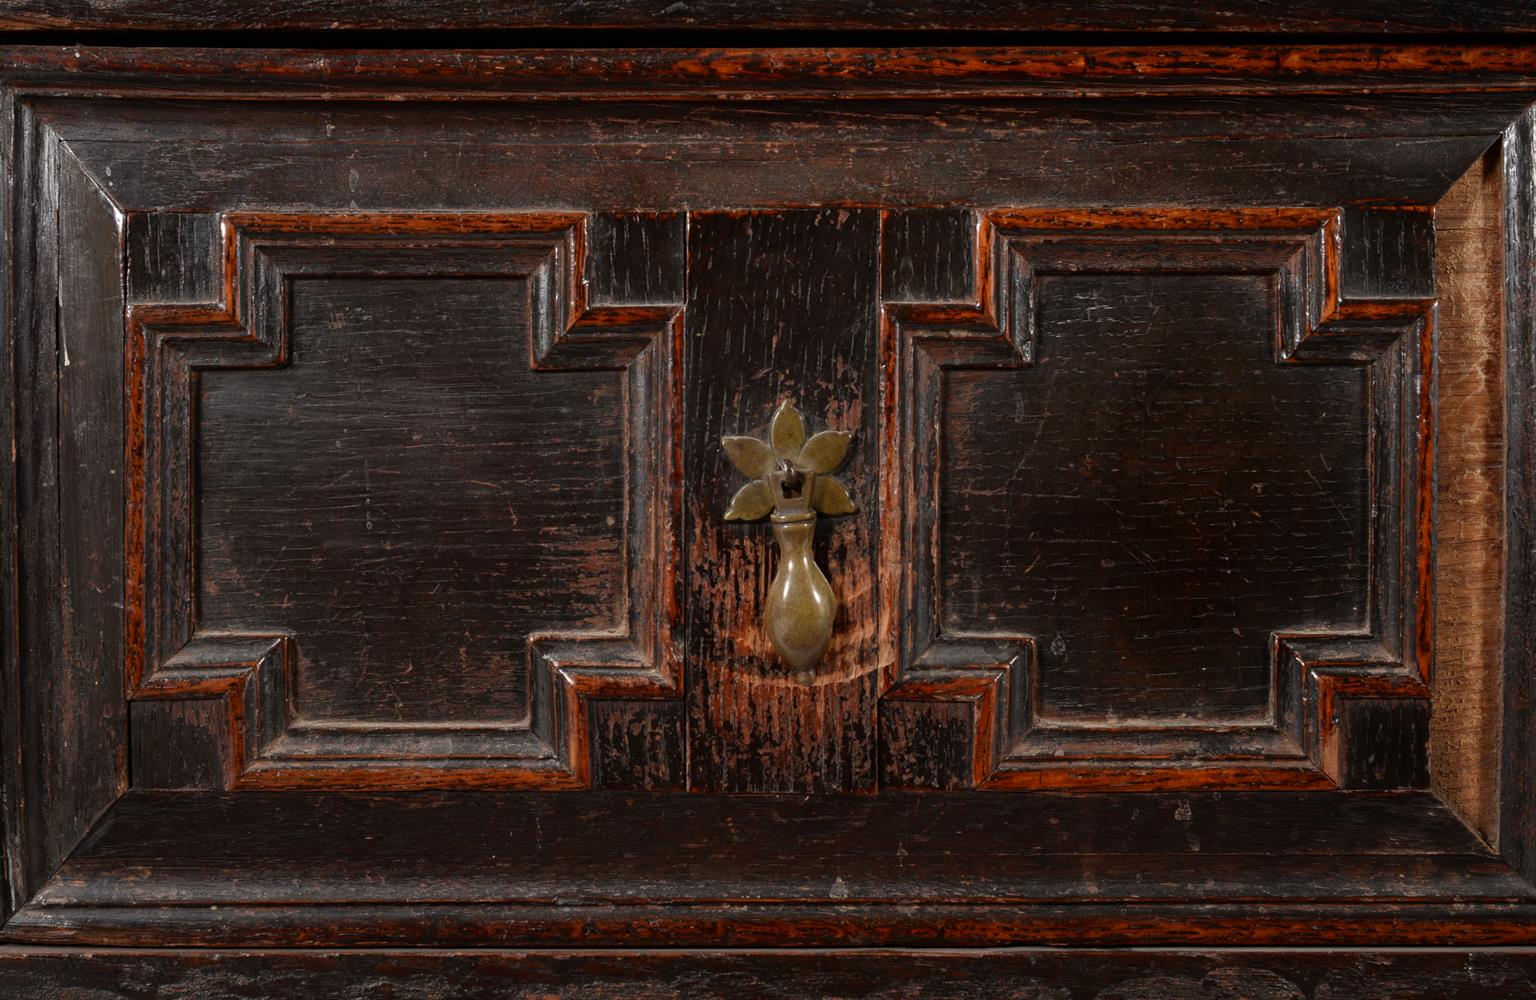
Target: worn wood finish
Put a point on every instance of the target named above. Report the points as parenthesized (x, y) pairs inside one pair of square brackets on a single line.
[(286, 333), (269, 388), (184, 155), (399, 506), (781, 306), (1010, 974), (1322, 291), (845, 870), (1489, 76), (1517, 803), (986, 975), (1313, 17), (65, 755), (1469, 277)]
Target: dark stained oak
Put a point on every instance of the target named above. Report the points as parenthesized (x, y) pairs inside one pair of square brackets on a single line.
[(986, 974), (974, 365), (752, 148), (469, 868), (365, 588), (1153, 498), (423, 466), (1517, 804), (320, 611), (1373, 17), (781, 306)]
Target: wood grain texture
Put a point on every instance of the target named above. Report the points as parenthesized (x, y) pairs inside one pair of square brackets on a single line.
[(1517, 775), (996, 974), (1469, 588), (65, 755), (171, 257), (978, 520), (349, 468), (1489, 76), (755, 150), (388, 495), (781, 305), (88, 766), (1313, 17), (782, 196), (1104, 509), (700, 870)]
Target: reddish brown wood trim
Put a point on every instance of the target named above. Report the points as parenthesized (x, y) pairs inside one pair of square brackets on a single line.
[(767, 925), (174, 661), (967, 688), (1366, 17), (841, 73), (1296, 973)]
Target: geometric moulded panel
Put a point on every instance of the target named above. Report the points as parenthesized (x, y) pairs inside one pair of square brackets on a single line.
[(1187, 546), (396, 515), (1017, 380)]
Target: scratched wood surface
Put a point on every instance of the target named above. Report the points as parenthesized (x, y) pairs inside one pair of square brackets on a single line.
[(983, 974), (1469, 274), (722, 230), (813, 148), (781, 305), (1377, 17), (1143, 500), (388, 498), (820, 870), (1517, 722)]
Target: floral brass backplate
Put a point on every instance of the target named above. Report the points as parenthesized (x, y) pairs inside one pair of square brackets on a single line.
[(791, 483)]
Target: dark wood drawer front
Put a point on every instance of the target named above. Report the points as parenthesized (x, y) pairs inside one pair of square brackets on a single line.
[(369, 478), (419, 477)]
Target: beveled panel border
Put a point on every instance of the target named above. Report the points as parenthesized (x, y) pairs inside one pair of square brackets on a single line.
[(989, 683), (172, 659), (1474, 95)]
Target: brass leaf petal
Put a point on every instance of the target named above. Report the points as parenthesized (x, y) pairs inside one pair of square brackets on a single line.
[(751, 456), (751, 502), (788, 431), (829, 497), (824, 451)]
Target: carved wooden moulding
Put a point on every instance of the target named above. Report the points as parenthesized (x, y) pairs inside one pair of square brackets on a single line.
[(1172, 430), (1164, 484), (285, 576)]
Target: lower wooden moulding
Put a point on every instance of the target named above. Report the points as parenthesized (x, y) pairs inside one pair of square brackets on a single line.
[(1011, 974), (251, 870)]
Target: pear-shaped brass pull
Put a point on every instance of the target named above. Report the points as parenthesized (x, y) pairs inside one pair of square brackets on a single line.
[(791, 481)]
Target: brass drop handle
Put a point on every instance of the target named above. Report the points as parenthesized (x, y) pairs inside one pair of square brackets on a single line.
[(791, 484)]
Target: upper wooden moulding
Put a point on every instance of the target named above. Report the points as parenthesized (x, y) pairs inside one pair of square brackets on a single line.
[(1376, 17)]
